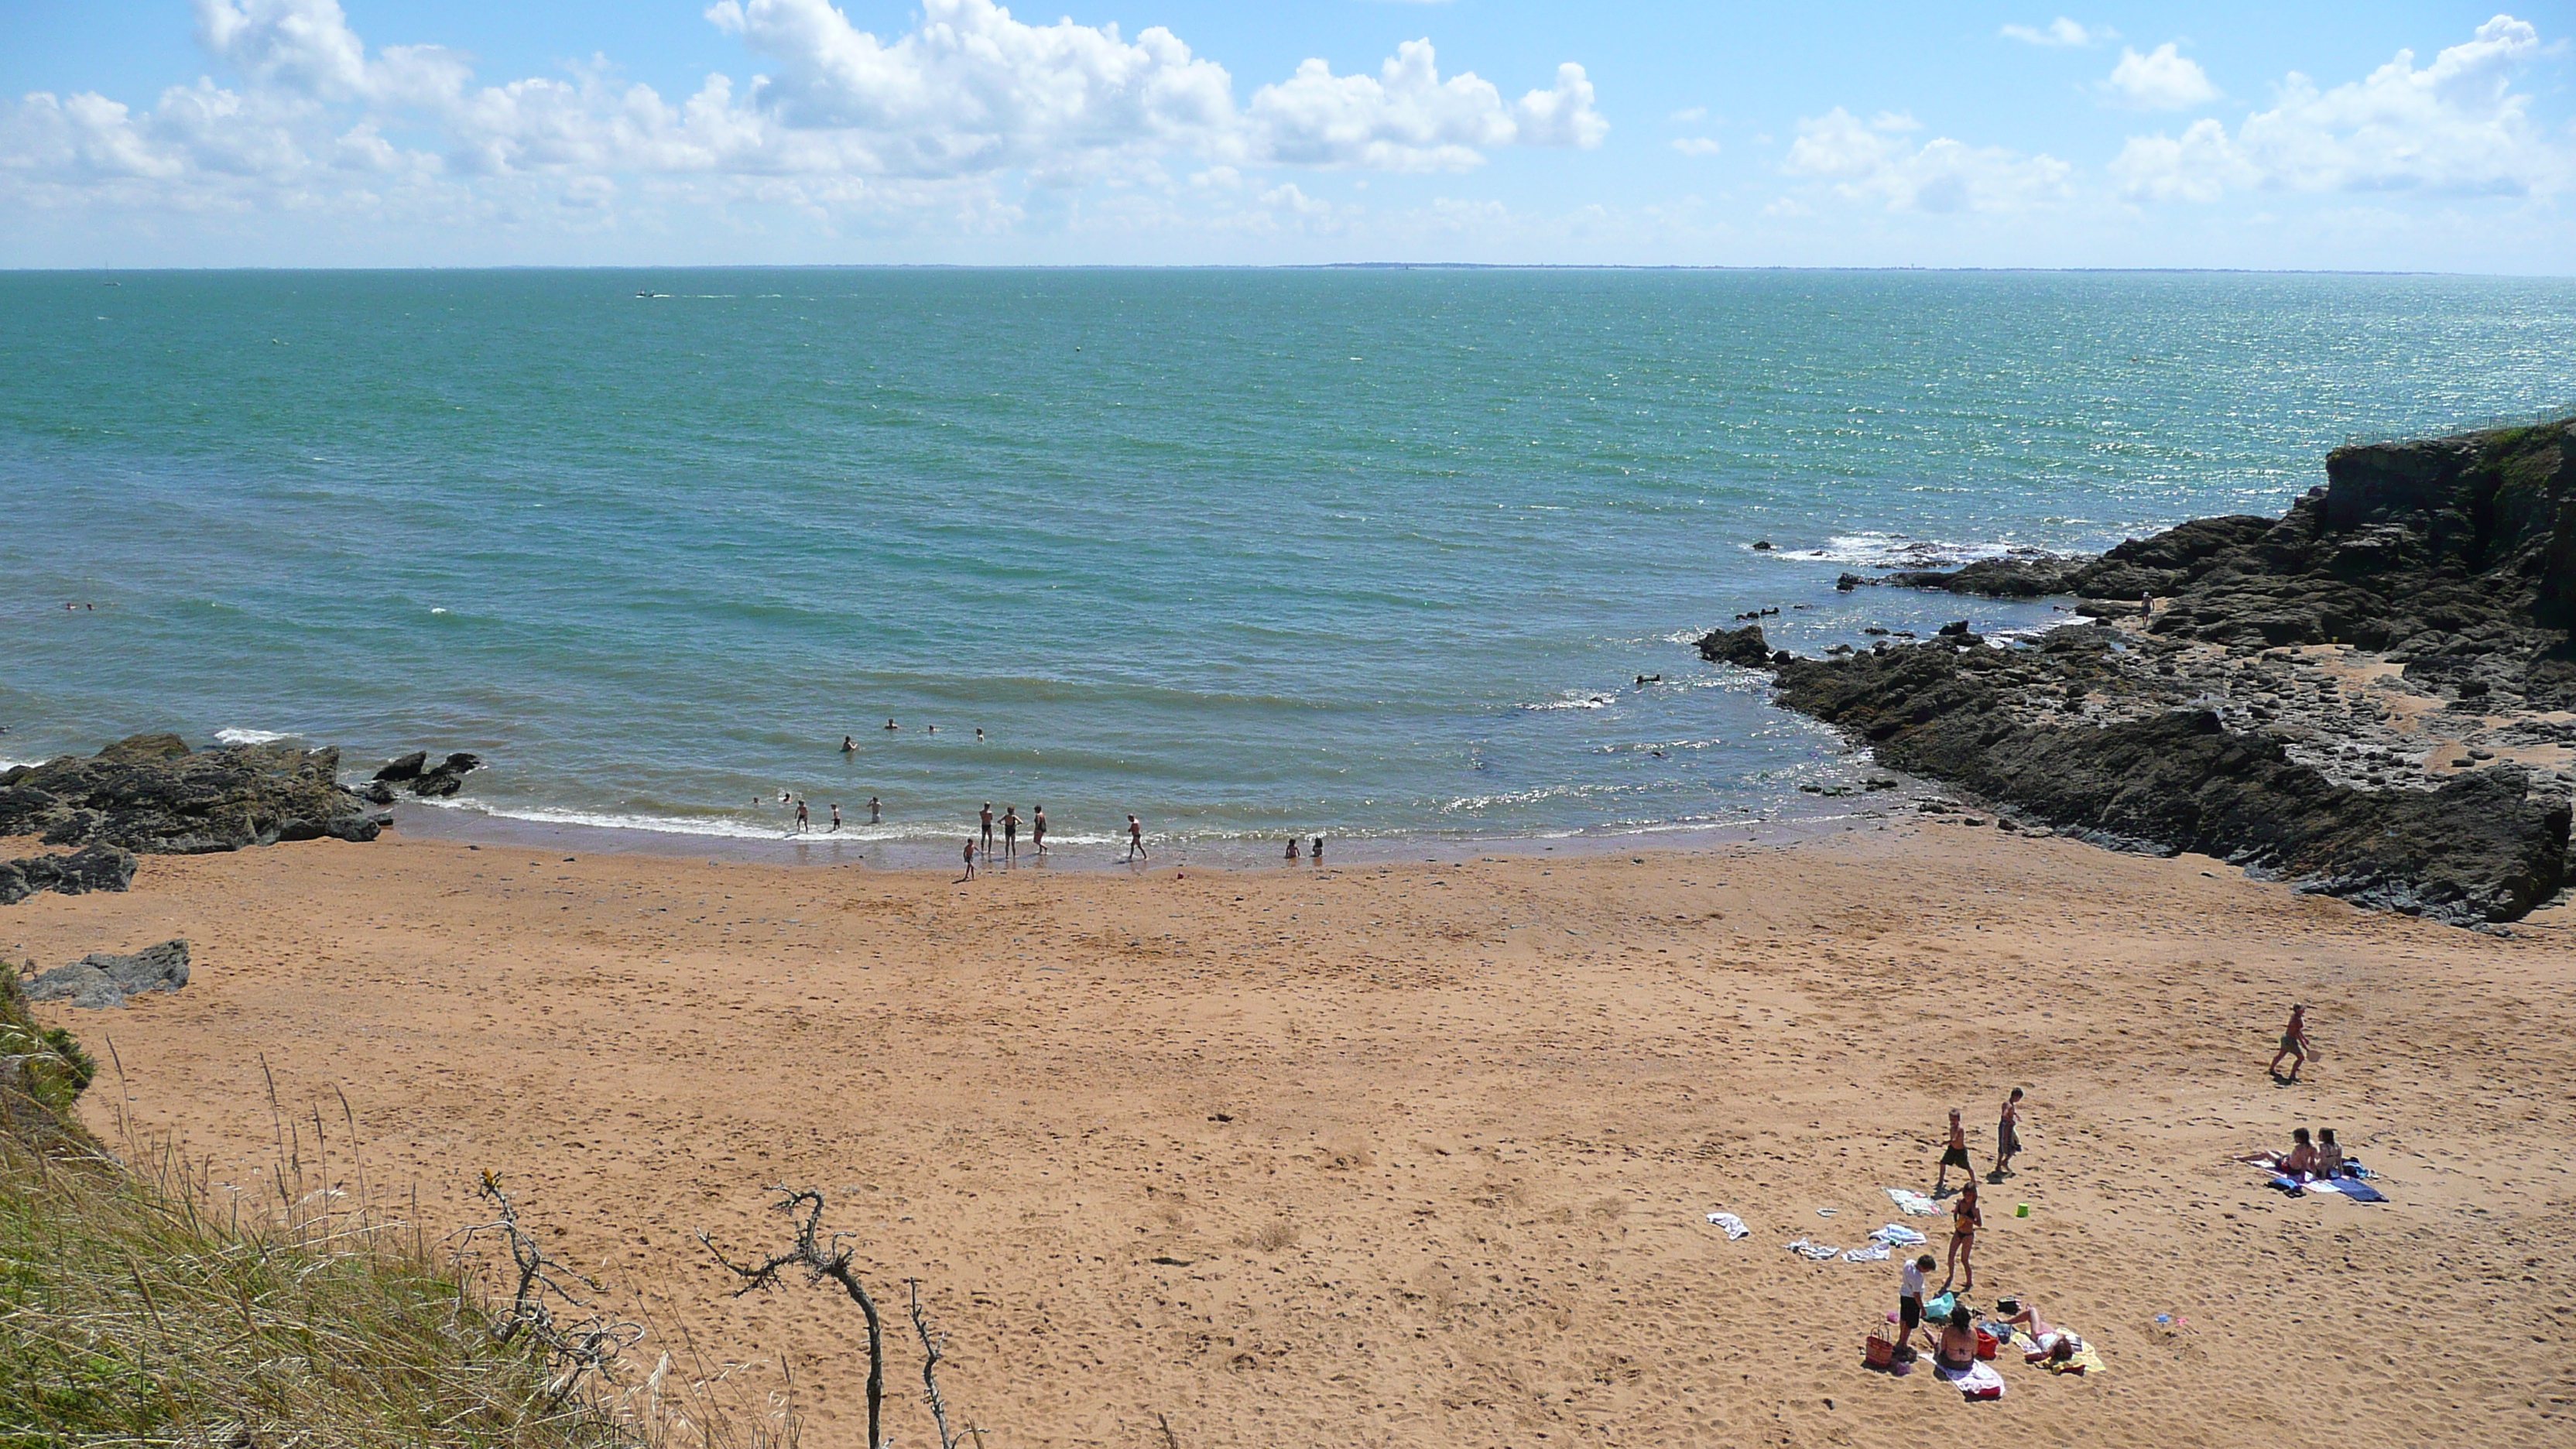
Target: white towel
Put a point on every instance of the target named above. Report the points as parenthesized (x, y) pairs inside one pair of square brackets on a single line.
[(1897, 1235), (1914, 1204), (1734, 1225), (1877, 1254), (1821, 1252), (1976, 1381)]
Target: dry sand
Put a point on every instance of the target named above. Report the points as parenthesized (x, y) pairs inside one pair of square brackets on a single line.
[(1423, 1155)]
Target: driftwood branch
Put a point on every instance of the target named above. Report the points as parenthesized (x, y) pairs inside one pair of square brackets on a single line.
[(575, 1348), (931, 1354), (821, 1259)]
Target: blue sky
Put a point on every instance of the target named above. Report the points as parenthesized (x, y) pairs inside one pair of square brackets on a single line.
[(374, 132)]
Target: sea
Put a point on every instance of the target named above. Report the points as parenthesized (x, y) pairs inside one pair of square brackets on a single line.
[(1408, 558)]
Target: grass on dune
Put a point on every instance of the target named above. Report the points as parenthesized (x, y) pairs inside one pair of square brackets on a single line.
[(131, 1313)]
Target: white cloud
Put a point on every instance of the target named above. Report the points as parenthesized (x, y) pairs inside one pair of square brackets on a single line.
[(1688, 116), (846, 120), (2163, 79), (1868, 162), (1407, 118), (2456, 125), (1697, 145), (2060, 32)]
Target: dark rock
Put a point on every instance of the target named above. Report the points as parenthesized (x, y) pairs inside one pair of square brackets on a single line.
[(145, 750), (406, 767), (1999, 578), (1957, 630), (98, 868), (1762, 545), (1743, 646), (447, 778), (151, 802), (376, 792), (99, 980), (1849, 582)]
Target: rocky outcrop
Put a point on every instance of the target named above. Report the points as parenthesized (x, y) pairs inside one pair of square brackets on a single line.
[(99, 980), (98, 868), (1998, 578), (152, 795), (446, 777), (2253, 714)]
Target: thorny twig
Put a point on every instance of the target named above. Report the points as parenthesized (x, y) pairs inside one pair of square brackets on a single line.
[(574, 1349), (820, 1261), (930, 1357)]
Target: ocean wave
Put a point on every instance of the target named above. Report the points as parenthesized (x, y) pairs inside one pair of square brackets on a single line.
[(721, 828), (1577, 699), (10, 764), (254, 737), (1902, 551)]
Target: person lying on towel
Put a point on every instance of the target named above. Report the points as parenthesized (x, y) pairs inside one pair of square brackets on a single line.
[(2052, 1344)]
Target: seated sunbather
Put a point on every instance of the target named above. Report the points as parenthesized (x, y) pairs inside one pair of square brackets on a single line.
[(2050, 1342), (2329, 1154), (2299, 1161), (1958, 1350)]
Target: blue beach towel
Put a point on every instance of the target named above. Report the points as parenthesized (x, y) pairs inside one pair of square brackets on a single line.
[(2354, 1188)]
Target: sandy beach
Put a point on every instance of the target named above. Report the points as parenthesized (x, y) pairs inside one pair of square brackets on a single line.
[(1423, 1154)]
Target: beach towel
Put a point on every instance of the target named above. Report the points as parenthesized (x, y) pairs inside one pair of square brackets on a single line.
[(2083, 1362), (2287, 1185), (2350, 1187), (1822, 1253), (1876, 1253), (1913, 1204), (1897, 1235), (1976, 1381), (1734, 1225)]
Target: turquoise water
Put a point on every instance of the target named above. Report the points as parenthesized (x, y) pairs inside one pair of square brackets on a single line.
[(1373, 554)]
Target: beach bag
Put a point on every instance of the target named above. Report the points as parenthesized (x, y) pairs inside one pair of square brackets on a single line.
[(1879, 1352), (1987, 1343)]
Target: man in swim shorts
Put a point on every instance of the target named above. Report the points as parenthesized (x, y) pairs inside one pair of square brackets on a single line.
[(1037, 829), (2008, 1132), (2294, 1044)]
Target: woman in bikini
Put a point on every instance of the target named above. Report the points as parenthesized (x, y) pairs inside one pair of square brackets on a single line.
[(1965, 1219), (1957, 1154), (1958, 1350), (2048, 1342)]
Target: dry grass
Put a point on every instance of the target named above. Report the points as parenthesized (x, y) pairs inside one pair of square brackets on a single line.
[(140, 1307)]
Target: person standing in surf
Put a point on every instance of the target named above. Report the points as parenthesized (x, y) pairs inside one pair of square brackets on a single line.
[(1010, 831), (876, 811), (1037, 830), (988, 832), (804, 822)]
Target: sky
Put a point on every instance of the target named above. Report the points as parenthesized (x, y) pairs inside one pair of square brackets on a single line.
[(2358, 136)]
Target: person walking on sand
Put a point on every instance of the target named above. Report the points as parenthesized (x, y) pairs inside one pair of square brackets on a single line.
[(970, 863), (1965, 1219), (1955, 1155), (876, 811), (1037, 830), (2294, 1045), (1135, 840), (988, 831), (836, 817), (1010, 831), (2008, 1133)]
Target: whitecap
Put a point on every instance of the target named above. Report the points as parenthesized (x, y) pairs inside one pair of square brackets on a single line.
[(253, 737), (1899, 551), (1576, 699)]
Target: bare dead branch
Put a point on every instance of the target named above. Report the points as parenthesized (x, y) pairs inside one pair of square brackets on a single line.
[(576, 1349), (820, 1260), (930, 1356)]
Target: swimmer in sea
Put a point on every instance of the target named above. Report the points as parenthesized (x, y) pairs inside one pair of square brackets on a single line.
[(890, 724), (849, 745), (1292, 849), (979, 734)]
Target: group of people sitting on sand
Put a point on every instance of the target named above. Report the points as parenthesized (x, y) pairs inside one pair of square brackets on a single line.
[(2308, 1159), (1953, 1340)]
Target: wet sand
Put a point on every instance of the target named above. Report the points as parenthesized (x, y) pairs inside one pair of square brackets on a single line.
[(1422, 1154)]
